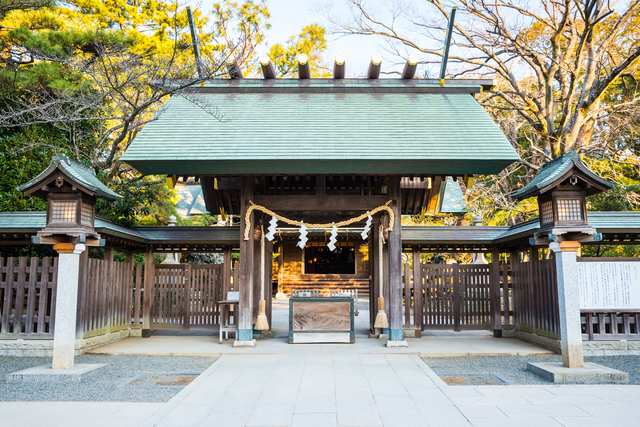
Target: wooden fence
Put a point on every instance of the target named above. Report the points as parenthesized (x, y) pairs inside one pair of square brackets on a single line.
[(535, 295), (105, 297), (447, 296), (186, 295), (27, 297)]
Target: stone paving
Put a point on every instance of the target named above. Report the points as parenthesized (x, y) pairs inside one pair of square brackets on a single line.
[(365, 384), (378, 390)]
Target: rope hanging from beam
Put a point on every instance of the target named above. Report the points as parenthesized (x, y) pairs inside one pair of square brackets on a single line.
[(253, 206)]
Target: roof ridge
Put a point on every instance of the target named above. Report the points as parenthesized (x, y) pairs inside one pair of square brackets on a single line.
[(72, 162)]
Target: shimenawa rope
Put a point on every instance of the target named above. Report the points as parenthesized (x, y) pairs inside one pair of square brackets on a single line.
[(253, 206)]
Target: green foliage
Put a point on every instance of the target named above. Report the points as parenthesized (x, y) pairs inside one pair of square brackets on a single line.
[(20, 164), (311, 41)]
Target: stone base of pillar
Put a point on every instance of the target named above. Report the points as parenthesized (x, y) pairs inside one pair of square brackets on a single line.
[(281, 295), (146, 333), (592, 373), (497, 333), (45, 373), (397, 344), (251, 343)]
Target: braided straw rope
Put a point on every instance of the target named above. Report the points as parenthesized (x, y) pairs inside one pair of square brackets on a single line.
[(247, 219)]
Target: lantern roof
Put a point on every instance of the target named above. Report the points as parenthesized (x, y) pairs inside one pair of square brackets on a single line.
[(553, 173), (83, 177)]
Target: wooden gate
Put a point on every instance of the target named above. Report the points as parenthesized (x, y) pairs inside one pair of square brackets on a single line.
[(186, 295), (455, 296)]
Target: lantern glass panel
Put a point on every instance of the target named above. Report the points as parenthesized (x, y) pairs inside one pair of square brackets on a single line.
[(546, 212), (87, 214), (569, 210), (63, 211)]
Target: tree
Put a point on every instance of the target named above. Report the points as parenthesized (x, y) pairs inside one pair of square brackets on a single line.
[(311, 41), (566, 71), (97, 71)]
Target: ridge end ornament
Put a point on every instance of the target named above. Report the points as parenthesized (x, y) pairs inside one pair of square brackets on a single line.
[(303, 235)]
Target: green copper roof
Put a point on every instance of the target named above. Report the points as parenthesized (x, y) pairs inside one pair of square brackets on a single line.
[(258, 127), (75, 171), (551, 172)]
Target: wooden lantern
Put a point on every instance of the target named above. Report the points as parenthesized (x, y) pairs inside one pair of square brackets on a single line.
[(71, 190), (562, 187)]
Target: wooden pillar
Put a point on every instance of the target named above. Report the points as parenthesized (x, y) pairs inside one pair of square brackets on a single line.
[(245, 284), (385, 272), (226, 272), (418, 298), (130, 285), (256, 274), (82, 294), (514, 261), (374, 289), (395, 264), (148, 292), (280, 293), (110, 281), (268, 279), (494, 287), (186, 320)]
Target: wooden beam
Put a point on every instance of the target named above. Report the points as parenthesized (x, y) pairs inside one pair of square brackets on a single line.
[(395, 264), (268, 70), (435, 195), (245, 284), (321, 185), (234, 70), (410, 67), (315, 203), (304, 70), (339, 67), (374, 67)]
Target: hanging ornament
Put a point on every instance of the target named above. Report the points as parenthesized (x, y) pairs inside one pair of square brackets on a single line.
[(367, 227), (273, 227), (333, 239), (303, 235)]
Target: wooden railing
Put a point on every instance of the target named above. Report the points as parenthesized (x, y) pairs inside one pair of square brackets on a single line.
[(27, 297), (610, 324)]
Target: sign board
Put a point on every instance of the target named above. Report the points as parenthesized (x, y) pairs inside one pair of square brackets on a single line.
[(613, 284)]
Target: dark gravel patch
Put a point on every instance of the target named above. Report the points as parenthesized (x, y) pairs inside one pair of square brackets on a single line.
[(514, 368), (106, 385)]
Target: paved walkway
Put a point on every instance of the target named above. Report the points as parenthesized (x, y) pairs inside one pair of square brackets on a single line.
[(342, 390), (364, 384), (75, 414)]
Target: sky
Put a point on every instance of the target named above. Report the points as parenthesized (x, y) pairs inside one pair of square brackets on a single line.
[(290, 16)]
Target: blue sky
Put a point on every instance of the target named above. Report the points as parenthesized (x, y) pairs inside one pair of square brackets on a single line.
[(290, 16)]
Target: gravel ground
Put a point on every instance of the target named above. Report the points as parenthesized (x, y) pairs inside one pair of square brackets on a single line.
[(106, 385), (514, 368)]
